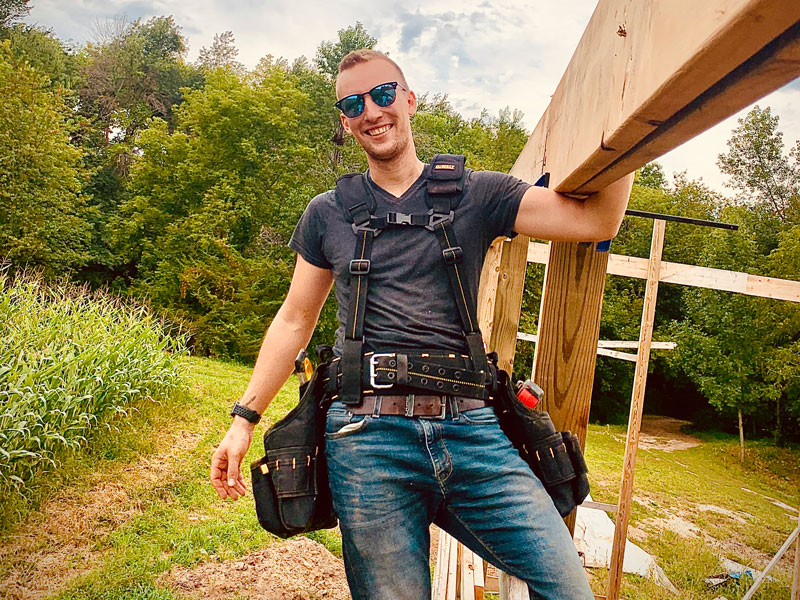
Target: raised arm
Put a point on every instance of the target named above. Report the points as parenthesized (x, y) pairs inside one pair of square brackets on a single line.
[(289, 331), (548, 215)]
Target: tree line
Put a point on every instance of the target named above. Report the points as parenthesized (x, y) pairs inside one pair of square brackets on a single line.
[(125, 166)]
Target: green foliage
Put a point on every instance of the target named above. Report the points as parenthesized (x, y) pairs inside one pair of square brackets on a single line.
[(70, 363), (42, 214), (212, 206), (330, 54), (759, 170), (488, 143), (12, 10)]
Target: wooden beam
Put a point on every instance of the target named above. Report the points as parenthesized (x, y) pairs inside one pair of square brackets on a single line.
[(614, 354), (648, 76), (691, 275), (635, 418), (532, 337), (512, 588), (763, 576)]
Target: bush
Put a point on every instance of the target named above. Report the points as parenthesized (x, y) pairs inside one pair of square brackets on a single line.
[(70, 363)]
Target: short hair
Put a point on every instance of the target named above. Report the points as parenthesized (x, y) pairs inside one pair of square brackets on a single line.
[(364, 55)]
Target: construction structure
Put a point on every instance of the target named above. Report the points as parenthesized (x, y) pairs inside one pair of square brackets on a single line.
[(647, 75)]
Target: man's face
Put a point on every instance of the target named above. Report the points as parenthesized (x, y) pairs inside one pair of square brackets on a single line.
[(383, 132)]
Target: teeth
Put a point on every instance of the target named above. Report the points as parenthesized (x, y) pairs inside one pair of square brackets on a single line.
[(380, 130)]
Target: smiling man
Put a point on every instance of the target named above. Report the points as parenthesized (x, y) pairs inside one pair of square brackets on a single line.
[(401, 456)]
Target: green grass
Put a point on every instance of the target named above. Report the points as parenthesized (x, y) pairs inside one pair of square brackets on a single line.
[(181, 521)]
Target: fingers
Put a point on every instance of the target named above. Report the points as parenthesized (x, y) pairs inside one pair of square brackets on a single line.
[(226, 477)]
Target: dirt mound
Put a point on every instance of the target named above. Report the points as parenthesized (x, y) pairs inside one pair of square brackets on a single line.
[(299, 569), (665, 433)]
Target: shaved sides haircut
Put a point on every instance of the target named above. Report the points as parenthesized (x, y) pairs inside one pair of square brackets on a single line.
[(357, 57)]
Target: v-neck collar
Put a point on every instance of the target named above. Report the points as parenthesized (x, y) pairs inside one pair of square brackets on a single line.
[(412, 189)]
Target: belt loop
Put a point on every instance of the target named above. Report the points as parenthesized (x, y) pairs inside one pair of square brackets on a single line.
[(410, 405), (453, 400), (376, 410)]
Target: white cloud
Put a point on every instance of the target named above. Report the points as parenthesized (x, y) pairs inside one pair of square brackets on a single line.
[(481, 54)]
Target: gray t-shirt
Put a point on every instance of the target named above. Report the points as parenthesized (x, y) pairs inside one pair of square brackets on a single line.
[(410, 303)]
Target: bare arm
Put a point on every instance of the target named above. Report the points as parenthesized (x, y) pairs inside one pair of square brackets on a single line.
[(548, 215), (289, 331)]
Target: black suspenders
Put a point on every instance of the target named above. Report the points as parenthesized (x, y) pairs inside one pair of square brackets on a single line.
[(445, 187)]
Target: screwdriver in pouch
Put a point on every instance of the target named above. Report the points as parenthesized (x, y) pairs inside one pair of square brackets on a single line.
[(303, 367)]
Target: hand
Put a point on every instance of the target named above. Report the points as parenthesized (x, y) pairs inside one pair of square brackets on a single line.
[(226, 474)]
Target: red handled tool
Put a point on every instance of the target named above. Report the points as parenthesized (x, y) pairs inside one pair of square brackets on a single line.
[(529, 393)]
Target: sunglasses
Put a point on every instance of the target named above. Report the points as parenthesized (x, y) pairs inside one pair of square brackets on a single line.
[(383, 95)]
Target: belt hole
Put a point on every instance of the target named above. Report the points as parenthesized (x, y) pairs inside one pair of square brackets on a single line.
[(390, 375), (456, 387), (423, 381), (393, 363), (410, 365), (441, 371), (457, 374), (439, 384), (425, 368)]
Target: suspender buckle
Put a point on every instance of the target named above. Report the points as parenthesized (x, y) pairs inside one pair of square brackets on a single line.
[(435, 219), (452, 255), (360, 266), (373, 370), (396, 218)]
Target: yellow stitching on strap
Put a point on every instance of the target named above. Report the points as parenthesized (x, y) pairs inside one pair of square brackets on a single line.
[(458, 278)]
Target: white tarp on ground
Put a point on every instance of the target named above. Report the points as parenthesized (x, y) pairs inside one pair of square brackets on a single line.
[(594, 535)]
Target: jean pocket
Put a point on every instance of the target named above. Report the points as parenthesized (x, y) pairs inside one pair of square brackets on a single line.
[(342, 423), (478, 416)]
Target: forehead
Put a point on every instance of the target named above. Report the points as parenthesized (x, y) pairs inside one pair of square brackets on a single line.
[(365, 76)]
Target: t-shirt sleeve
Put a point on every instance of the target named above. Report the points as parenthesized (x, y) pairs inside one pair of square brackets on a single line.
[(307, 237), (502, 195)]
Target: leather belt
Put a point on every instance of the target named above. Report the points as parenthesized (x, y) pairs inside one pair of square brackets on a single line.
[(415, 405)]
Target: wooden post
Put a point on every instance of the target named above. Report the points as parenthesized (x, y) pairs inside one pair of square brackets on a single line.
[(796, 577), (741, 438), (637, 405), (569, 327), (512, 588)]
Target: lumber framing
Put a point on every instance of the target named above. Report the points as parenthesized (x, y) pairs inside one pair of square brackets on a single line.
[(637, 407), (646, 77), (691, 275)]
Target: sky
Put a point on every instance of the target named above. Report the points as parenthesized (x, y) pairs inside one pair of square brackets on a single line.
[(481, 54)]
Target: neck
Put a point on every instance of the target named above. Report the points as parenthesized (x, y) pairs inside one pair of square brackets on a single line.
[(396, 175)]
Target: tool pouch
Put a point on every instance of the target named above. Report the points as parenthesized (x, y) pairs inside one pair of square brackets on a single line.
[(290, 482), (555, 457)]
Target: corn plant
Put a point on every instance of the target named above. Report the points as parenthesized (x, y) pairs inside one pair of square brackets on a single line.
[(72, 362)]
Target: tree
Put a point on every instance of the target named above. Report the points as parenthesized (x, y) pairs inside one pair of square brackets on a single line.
[(760, 171), (330, 54), (42, 214), (222, 53), (12, 10), (212, 205)]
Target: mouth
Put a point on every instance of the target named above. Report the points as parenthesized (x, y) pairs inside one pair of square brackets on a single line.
[(376, 131)]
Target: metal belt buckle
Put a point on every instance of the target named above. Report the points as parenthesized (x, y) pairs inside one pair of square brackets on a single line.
[(442, 415), (373, 364)]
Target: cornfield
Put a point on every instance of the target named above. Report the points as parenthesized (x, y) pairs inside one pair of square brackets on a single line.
[(72, 362)]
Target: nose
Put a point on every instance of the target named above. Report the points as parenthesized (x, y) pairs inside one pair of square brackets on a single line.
[(371, 110)]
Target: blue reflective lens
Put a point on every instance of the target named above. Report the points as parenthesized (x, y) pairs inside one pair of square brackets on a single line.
[(383, 95)]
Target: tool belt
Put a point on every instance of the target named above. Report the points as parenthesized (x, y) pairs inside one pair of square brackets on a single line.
[(415, 405), (290, 483), (443, 373)]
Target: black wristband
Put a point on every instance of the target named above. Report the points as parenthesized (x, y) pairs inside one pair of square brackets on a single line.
[(246, 413)]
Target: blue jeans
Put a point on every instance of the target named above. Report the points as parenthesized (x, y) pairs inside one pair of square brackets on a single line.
[(392, 476)]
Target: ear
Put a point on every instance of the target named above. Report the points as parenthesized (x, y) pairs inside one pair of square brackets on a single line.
[(412, 103), (345, 123)]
